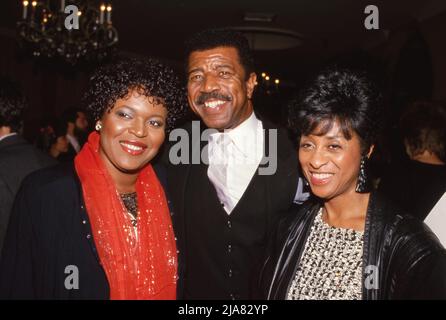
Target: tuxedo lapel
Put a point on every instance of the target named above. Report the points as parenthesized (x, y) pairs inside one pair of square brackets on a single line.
[(11, 141)]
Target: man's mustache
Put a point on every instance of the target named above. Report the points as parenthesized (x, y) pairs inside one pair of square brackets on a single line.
[(211, 95)]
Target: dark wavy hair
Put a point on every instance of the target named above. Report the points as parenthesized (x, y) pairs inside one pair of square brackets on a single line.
[(12, 104), (71, 114), (213, 38), (60, 129), (148, 76), (338, 95)]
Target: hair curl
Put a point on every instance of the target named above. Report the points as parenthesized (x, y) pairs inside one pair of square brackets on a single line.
[(148, 76), (12, 104), (338, 95), (213, 38)]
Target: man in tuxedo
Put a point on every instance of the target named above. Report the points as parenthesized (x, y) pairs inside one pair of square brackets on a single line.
[(18, 158), (76, 122), (227, 203)]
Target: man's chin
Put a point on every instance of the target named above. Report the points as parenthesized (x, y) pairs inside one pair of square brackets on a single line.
[(213, 124)]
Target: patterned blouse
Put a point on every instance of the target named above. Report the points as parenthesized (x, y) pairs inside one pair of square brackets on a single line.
[(331, 264), (130, 202)]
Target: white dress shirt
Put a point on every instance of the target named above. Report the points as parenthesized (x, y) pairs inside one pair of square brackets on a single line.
[(234, 156), (74, 143), (7, 135)]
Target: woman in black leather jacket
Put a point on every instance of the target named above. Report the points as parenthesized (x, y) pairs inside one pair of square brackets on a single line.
[(347, 242)]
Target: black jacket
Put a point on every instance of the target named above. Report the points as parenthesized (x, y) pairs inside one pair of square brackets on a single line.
[(18, 158), (409, 260), (48, 232), (414, 186)]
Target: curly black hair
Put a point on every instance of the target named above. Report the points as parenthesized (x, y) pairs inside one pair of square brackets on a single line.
[(339, 95), (224, 37), (12, 104), (150, 77)]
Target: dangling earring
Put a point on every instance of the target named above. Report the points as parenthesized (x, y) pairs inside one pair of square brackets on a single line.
[(363, 184), (306, 188), (98, 126)]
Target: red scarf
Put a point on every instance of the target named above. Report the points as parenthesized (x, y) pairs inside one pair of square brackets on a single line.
[(141, 266)]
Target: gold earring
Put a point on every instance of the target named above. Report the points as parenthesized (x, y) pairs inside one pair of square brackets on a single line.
[(98, 126)]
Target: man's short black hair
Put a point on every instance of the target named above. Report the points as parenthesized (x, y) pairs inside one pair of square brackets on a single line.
[(213, 38), (12, 104), (71, 114)]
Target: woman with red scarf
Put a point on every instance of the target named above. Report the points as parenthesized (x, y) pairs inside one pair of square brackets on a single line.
[(101, 228)]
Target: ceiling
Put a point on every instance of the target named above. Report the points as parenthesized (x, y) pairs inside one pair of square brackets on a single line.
[(330, 27)]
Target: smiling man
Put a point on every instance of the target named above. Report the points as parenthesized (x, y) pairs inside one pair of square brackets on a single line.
[(225, 210), (220, 87)]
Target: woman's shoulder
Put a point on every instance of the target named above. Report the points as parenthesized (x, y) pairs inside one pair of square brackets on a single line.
[(411, 253), (48, 198), (58, 177), (416, 234), (408, 236), (298, 214)]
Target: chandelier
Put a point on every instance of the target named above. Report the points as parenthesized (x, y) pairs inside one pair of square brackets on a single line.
[(72, 31)]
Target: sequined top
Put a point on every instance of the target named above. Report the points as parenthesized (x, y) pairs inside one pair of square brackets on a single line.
[(331, 264), (131, 204)]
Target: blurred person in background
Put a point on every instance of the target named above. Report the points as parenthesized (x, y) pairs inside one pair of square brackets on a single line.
[(58, 143), (77, 128), (419, 182), (18, 158)]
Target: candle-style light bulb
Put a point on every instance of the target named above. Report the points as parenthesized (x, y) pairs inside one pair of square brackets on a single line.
[(101, 15), (33, 4), (109, 9), (25, 9)]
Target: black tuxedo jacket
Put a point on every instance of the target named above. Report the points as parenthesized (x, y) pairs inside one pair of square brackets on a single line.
[(204, 271), (18, 158)]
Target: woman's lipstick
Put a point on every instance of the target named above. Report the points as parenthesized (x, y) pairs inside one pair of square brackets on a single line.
[(134, 148)]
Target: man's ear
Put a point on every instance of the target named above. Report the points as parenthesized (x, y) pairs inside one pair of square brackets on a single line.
[(372, 147), (250, 84)]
